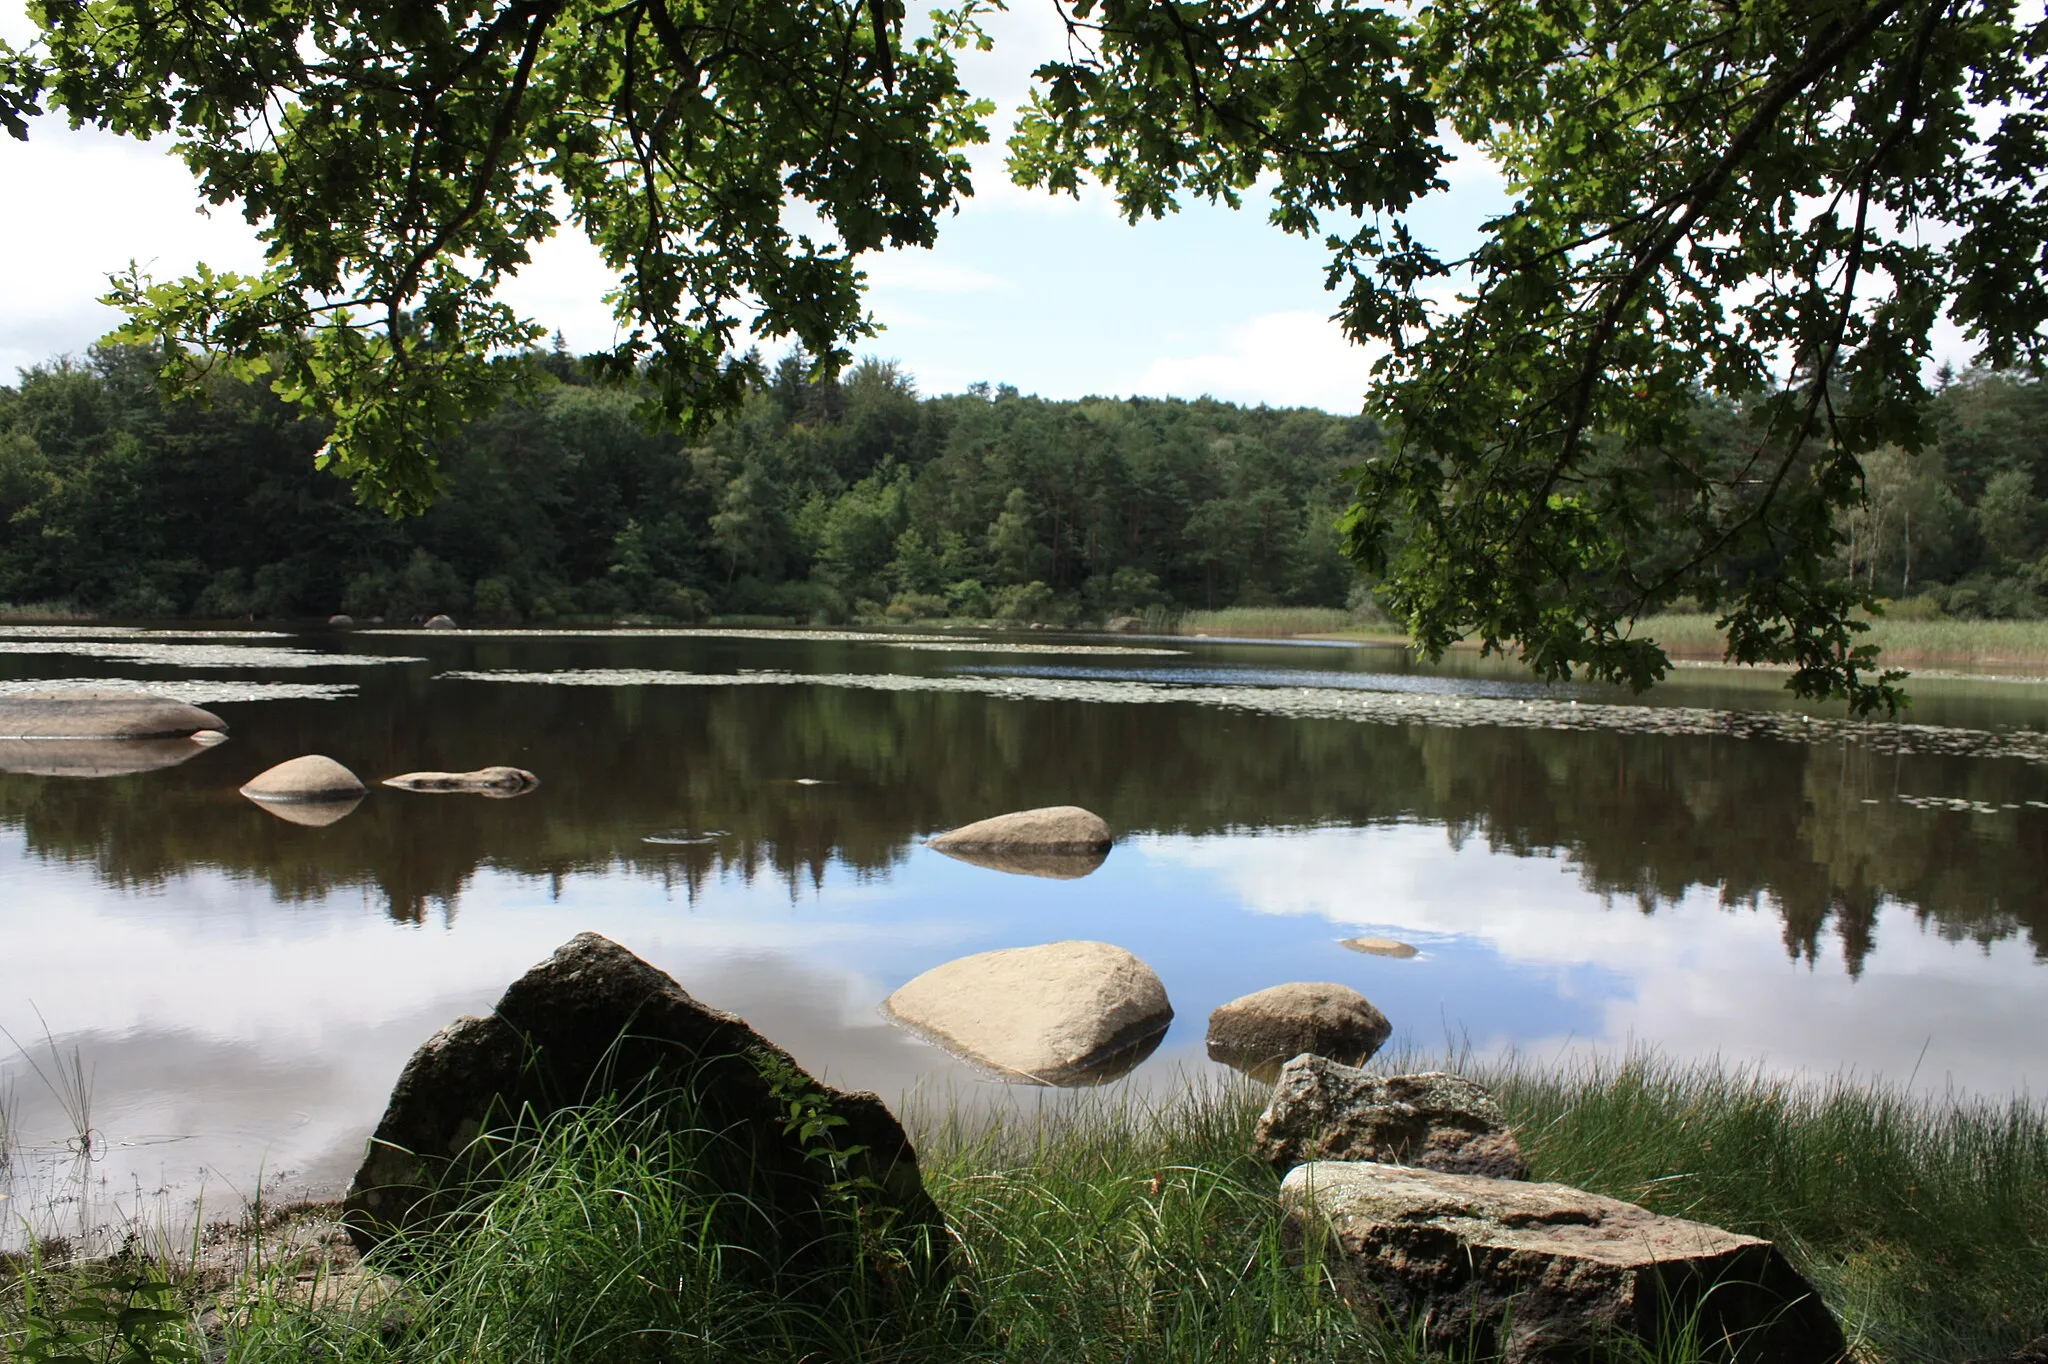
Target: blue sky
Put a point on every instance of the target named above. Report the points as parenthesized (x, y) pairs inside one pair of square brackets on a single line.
[(1058, 297)]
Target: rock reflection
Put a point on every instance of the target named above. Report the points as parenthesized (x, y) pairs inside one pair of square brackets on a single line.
[(94, 757), (1056, 866), (313, 814)]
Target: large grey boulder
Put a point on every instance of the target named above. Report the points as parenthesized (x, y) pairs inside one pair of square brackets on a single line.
[(592, 1021), (1065, 1013), (1321, 1110), (100, 715), (441, 623), (1534, 1272), (1258, 1032), (1053, 829), (314, 777), (485, 781)]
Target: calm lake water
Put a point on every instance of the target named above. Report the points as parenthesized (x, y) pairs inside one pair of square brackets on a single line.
[(1714, 873)]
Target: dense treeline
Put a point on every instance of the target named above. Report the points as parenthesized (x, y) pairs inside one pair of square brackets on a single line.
[(828, 500), (821, 500)]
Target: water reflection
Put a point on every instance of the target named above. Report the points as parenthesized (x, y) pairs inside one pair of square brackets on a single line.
[(246, 989)]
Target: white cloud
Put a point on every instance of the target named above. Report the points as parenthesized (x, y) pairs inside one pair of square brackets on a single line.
[(920, 272), (1285, 359)]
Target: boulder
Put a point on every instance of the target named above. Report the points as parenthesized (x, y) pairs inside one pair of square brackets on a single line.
[(207, 738), (1259, 1032), (1533, 1272), (1378, 947), (1055, 828), (341, 622), (485, 781), (94, 757), (313, 777), (1065, 1013), (594, 1021), (1321, 1110), (1053, 865), (441, 623), (100, 715)]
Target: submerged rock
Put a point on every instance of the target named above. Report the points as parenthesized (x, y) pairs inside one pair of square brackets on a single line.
[(1378, 947), (1321, 1110), (207, 738), (485, 781), (1259, 1032), (314, 777), (593, 1020), (1054, 828), (100, 715), (1065, 1013), (1534, 1272)]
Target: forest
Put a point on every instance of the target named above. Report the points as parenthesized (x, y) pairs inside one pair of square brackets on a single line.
[(827, 500)]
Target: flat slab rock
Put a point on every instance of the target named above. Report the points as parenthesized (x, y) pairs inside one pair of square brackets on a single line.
[(100, 715), (1540, 1271), (591, 1020), (1259, 1032), (1064, 1013), (1055, 828), (1322, 1110)]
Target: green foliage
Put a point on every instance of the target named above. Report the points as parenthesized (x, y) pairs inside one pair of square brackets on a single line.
[(681, 141), (562, 504), (118, 1312)]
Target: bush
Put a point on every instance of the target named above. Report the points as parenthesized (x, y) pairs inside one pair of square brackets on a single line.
[(968, 597), (225, 597), (1032, 601), (917, 606), (494, 603)]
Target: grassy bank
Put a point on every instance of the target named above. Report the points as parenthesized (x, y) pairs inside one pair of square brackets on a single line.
[(1107, 1229)]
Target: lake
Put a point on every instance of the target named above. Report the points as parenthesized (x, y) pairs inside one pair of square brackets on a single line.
[(1717, 872)]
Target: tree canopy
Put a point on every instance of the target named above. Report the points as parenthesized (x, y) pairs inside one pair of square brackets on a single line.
[(1735, 228)]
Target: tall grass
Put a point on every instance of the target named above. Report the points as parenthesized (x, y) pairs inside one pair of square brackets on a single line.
[(1107, 1228), (2016, 643), (41, 612), (1266, 622)]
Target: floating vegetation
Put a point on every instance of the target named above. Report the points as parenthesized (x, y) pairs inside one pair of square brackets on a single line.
[(928, 643), (199, 655), (195, 691), (1387, 708), (127, 632), (1964, 803)]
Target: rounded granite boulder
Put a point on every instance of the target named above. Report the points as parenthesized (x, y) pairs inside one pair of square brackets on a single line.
[(101, 715), (1064, 1013), (314, 777), (1261, 1031)]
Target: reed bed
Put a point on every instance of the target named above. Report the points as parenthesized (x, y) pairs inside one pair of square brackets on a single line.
[(1121, 1228), (1265, 622)]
